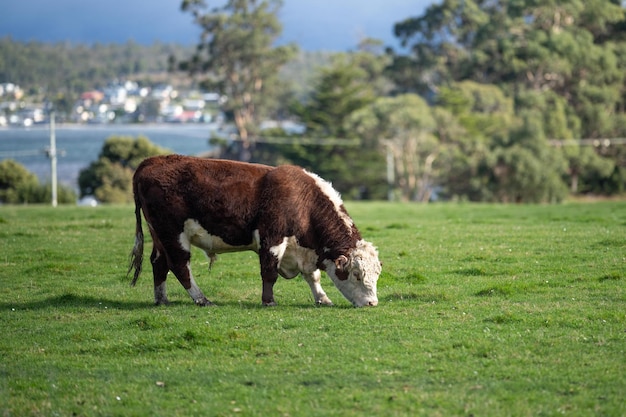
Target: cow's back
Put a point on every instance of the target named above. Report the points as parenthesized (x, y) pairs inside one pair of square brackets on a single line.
[(222, 195)]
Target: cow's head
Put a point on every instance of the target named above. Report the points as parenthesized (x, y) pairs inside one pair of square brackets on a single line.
[(356, 274)]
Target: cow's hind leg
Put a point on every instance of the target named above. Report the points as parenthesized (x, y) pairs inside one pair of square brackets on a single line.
[(159, 271), (180, 265), (313, 279)]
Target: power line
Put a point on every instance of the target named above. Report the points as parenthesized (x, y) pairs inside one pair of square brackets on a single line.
[(600, 142), (278, 140), (16, 154)]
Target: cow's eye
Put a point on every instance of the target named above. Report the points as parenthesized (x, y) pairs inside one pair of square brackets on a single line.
[(357, 276)]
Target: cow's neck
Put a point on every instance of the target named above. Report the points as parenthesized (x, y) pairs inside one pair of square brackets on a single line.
[(335, 235)]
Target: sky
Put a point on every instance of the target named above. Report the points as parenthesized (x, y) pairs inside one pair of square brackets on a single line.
[(330, 25)]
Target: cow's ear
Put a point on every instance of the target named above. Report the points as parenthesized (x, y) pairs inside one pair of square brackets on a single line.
[(341, 263)]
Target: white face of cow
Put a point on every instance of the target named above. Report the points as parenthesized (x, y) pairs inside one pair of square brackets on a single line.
[(362, 269)]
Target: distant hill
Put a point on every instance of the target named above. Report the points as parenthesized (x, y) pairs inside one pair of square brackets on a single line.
[(65, 68)]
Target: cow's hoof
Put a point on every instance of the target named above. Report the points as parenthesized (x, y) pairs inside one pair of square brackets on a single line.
[(270, 304), (324, 302), (163, 302), (204, 303)]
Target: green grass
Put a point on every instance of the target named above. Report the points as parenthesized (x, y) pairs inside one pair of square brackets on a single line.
[(485, 310)]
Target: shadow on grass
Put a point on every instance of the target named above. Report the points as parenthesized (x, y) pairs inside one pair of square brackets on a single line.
[(253, 305), (75, 301), (70, 300)]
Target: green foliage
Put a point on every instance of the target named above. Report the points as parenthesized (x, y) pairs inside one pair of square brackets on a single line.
[(20, 186), (348, 85), (300, 71), (483, 110), (560, 63), (236, 50), (503, 80), (499, 156), (42, 193), (15, 182), (404, 126), (109, 178), (478, 303), (341, 89), (557, 119), (522, 175), (65, 70)]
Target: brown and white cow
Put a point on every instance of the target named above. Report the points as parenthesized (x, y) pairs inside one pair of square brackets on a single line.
[(293, 219)]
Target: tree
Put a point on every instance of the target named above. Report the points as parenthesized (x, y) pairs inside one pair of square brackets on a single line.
[(236, 53), (494, 154), (556, 119), (527, 43), (328, 147), (350, 83), (472, 119), (109, 178), (483, 109), (527, 169), (403, 126), (340, 89), (560, 62), (15, 181), (520, 176), (20, 186)]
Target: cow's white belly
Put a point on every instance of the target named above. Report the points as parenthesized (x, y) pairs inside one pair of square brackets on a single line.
[(293, 258), (194, 234)]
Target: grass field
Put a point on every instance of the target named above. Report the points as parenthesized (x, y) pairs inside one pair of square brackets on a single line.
[(485, 310)]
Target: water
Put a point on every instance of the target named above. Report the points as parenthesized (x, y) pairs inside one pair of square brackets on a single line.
[(81, 145)]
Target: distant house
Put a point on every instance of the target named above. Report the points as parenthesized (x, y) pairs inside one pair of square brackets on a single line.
[(288, 126), (116, 95), (163, 91), (93, 96), (193, 104), (11, 90)]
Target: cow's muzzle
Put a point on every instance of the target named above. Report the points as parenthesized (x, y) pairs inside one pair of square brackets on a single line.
[(370, 303)]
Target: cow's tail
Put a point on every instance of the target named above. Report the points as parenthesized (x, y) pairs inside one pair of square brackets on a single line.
[(136, 255)]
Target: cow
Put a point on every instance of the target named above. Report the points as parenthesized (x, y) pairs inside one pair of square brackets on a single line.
[(294, 220)]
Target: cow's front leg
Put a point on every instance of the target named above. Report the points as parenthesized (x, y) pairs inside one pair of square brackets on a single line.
[(268, 294), (269, 275), (313, 279)]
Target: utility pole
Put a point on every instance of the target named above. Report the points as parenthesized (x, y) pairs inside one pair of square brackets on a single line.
[(52, 154)]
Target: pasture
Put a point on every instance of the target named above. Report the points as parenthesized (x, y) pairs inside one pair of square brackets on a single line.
[(485, 310)]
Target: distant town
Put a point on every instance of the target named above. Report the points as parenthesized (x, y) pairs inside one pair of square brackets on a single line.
[(119, 102), (126, 103)]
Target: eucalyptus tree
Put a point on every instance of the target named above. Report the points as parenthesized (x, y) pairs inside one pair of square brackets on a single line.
[(566, 47), (351, 82), (403, 126), (525, 43), (340, 89), (562, 63), (237, 56)]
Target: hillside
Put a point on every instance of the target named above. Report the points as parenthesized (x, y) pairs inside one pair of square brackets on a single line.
[(44, 69)]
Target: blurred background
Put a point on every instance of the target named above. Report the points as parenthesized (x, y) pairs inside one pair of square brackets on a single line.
[(496, 101)]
